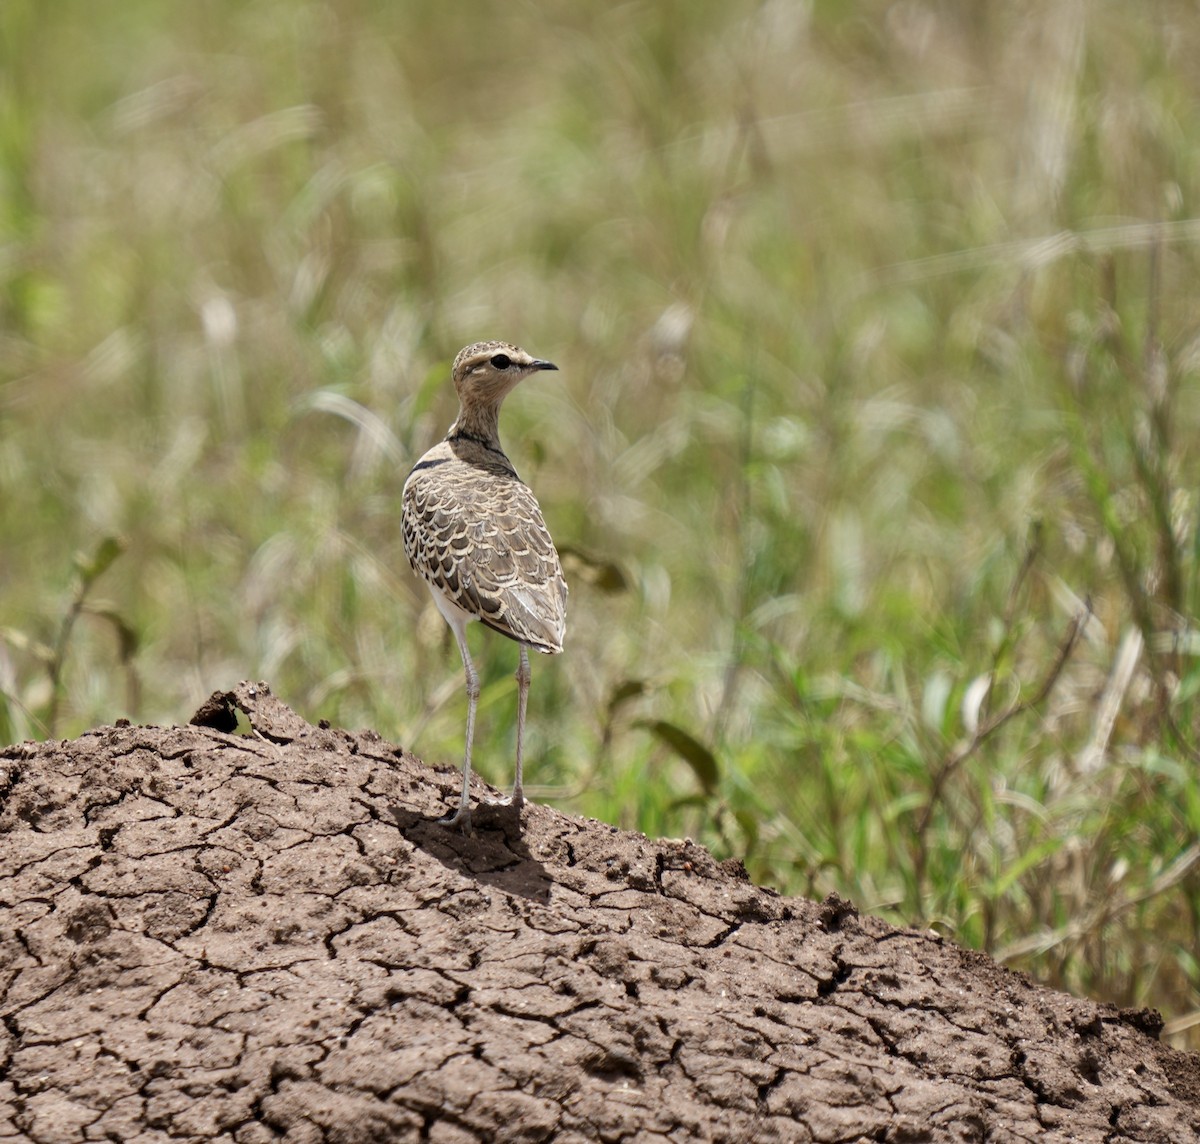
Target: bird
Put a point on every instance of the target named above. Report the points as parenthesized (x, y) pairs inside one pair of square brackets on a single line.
[(474, 532)]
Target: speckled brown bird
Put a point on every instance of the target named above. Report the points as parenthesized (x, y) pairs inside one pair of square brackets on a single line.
[(473, 531)]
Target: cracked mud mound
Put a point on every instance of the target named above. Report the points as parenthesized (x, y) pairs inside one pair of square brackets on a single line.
[(207, 936)]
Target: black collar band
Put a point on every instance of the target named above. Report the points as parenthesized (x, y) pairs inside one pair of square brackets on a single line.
[(461, 436)]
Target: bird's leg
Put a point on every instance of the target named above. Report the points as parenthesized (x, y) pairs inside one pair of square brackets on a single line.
[(518, 795), (517, 798), (462, 816)]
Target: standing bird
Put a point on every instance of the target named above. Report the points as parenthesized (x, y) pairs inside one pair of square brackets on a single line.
[(474, 533)]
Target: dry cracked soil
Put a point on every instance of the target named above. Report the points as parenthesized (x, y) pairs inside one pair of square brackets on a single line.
[(208, 935)]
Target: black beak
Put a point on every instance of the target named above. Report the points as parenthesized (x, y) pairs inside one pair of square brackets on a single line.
[(537, 363)]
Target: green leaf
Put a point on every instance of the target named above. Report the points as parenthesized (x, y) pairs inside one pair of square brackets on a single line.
[(624, 691), (1034, 855), (600, 573), (688, 748), (99, 562)]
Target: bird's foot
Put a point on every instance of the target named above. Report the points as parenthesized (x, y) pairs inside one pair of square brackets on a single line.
[(460, 818), (515, 800)]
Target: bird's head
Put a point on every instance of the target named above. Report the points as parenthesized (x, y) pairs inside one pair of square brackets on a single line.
[(484, 373)]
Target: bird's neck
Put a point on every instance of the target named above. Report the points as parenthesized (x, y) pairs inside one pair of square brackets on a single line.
[(478, 423)]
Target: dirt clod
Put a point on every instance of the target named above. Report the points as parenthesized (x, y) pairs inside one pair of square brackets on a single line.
[(835, 910), (239, 938)]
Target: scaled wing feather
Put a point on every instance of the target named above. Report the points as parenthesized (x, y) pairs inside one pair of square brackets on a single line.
[(477, 534)]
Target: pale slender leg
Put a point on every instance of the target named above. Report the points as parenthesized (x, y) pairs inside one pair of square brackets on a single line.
[(517, 798), (462, 816), (518, 795)]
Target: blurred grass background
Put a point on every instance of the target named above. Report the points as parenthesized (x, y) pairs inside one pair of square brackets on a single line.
[(873, 457)]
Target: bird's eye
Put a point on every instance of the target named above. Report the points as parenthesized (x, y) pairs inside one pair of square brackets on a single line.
[(501, 361)]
